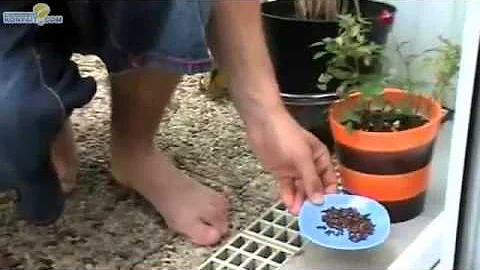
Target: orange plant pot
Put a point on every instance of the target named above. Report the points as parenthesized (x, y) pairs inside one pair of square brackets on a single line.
[(390, 167)]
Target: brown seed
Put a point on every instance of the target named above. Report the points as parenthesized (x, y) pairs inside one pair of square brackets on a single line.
[(337, 219)]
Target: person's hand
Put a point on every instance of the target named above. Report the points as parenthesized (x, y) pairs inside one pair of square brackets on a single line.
[(295, 157)]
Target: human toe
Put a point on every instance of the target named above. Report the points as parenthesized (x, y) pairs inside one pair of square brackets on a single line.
[(203, 234)]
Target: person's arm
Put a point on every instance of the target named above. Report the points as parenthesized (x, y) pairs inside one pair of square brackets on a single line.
[(298, 160), (238, 45)]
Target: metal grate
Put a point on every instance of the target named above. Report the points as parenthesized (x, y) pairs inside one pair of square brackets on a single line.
[(266, 244), (277, 227)]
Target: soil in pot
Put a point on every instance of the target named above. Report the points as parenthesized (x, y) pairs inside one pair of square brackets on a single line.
[(289, 40), (386, 121), (391, 167)]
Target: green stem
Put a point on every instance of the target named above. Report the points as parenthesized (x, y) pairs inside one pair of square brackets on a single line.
[(357, 66), (407, 62), (357, 8)]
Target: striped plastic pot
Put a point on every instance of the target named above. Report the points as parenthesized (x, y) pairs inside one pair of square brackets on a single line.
[(390, 167)]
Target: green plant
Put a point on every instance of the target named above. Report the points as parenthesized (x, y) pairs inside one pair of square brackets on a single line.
[(446, 66), (350, 51), (323, 9), (444, 61), (408, 60)]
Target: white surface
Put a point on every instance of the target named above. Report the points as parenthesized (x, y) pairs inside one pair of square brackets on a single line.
[(405, 237), (424, 251), (420, 23), (470, 45)]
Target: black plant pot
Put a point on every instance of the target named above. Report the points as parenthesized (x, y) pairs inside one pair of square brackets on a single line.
[(289, 40), (310, 111)]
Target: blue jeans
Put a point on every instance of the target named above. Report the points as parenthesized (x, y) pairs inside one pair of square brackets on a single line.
[(40, 87)]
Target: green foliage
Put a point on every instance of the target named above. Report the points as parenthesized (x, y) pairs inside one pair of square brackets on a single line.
[(446, 66), (444, 59), (350, 52), (408, 60)]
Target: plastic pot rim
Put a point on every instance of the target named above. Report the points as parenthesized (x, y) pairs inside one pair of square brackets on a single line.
[(289, 18), (364, 139)]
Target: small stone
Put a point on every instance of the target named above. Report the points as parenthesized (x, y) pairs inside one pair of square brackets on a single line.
[(46, 261), (88, 260), (9, 262), (50, 243)]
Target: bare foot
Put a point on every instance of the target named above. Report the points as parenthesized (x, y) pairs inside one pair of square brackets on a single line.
[(64, 158), (187, 206)]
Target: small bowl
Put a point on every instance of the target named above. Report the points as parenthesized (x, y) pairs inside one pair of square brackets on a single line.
[(310, 217)]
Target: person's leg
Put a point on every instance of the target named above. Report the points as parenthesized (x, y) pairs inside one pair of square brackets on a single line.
[(138, 100), (148, 53), (64, 157), (39, 88)]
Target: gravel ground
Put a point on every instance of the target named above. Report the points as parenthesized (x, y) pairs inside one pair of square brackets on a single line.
[(107, 227)]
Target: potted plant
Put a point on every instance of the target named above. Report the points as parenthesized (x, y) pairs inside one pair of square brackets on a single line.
[(291, 27), (385, 127)]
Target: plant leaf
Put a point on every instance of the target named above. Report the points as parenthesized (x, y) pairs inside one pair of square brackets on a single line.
[(340, 74), (317, 44), (324, 78), (350, 116), (367, 61), (356, 30), (397, 82), (339, 41), (372, 87), (349, 127), (319, 55), (322, 86)]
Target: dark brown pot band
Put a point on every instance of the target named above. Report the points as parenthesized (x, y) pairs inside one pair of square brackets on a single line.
[(386, 163), (404, 210)]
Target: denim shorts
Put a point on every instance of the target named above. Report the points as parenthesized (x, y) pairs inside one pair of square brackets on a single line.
[(40, 86)]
